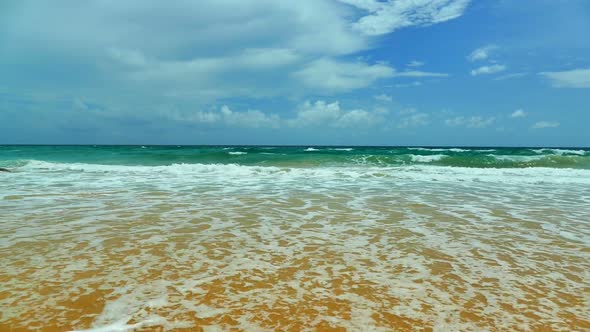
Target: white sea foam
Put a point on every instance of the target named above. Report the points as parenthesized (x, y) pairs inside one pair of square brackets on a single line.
[(233, 172), (427, 159), (336, 245), (440, 149), (237, 153), (311, 149), (120, 326), (516, 158), (560, 151)]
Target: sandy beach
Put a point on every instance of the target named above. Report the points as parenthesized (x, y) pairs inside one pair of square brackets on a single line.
[(229, 247)]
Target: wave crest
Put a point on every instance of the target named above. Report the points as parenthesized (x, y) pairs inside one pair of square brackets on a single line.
[(242, 173)]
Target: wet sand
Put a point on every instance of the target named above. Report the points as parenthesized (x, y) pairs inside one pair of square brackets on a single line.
[(368, 254)]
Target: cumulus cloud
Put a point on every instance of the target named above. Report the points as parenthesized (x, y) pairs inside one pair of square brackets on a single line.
[(143, 67), (187, 27), (249, 119), (199, 50), (576, 78), (485, 70), (226, 117), (144, 55), (332, 75), (470, 122), (545, 124), (387, 16), (481, 53), (196, 50), (330, 114), (519, 113), (150, 60)]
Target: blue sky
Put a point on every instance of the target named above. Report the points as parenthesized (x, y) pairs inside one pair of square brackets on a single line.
[(343, 72)]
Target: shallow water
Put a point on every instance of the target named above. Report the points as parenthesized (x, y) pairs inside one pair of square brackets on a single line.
[(357, 247)]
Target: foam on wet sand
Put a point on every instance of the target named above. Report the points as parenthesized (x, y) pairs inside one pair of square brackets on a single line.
[(123, 248)]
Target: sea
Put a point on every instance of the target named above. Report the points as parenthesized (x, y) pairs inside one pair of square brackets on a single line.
[(294, 238)]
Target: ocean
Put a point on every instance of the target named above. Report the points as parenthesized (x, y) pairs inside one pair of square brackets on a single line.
[(298, 238)]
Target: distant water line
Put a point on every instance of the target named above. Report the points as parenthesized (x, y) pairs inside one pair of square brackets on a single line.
[(303, 156)]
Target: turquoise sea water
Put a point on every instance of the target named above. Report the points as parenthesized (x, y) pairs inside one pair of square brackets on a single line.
[(299, 156)]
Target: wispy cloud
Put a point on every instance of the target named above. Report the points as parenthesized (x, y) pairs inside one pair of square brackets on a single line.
[(519, 113), (332, 75), (545, 124), (414, 120), (417, 73), (481, 53), (485, 70), (383, 97), (576, 78), (408, 85), (470, 122), (415, 63), (385, 17), (510, 76)]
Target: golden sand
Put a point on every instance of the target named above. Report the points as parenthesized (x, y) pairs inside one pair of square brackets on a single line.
[(302, 263)]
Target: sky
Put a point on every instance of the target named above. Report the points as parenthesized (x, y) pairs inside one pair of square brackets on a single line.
[(306, 72)]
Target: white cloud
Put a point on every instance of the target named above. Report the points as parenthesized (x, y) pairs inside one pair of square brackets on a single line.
[(509, 76), (249, 119), (415, 63), (481, 53), (383, 97), (491, 69), (576, 78), (199, 51), (127, 57), (331, 75), (385, 17), (225, 116), (257, 58), (187, 26), (407, 85), (357, 118), (317, 114), (330, 114), (519, 113), (414, 120), (196, 50), (201, 117), (250, 58), (470, 122), (545, 124), (417, 73)]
